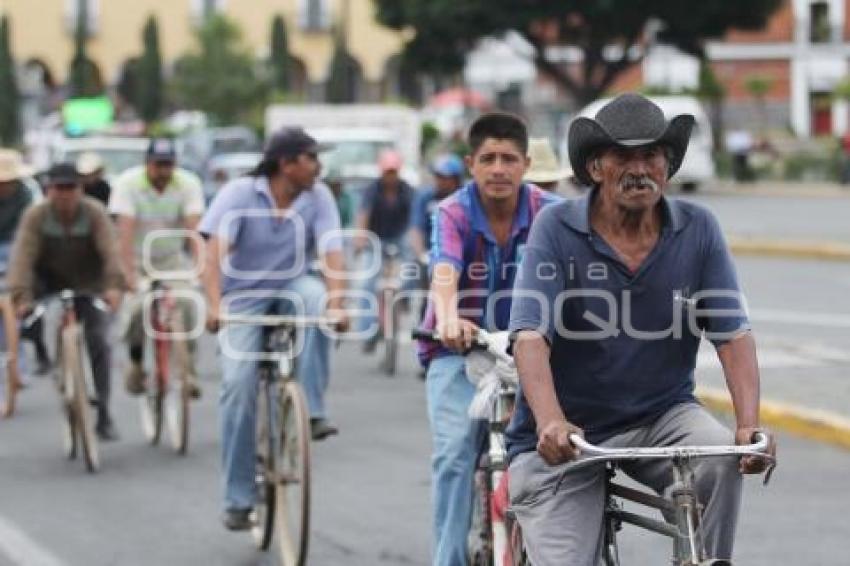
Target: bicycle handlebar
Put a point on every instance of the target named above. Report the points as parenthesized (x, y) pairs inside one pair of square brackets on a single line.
[(63, 295), (291, 321), (758, 448)]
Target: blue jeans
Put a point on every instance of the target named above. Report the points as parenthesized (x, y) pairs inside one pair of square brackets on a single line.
[(456, 442), (238, 399)]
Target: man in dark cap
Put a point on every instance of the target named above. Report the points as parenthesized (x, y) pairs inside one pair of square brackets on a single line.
[(262, 231), (639, 265), (67, 242)]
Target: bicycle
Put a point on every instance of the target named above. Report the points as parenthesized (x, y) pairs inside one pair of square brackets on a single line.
[(74, 379), (166, 354), (389, 286), (494, 373), (682, 504), (10, 380), (283, 440)]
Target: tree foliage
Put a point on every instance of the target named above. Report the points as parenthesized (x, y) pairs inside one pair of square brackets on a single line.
[(149, 88), (83, 77), (343, 76), (446, 29), (279, 57), (10, 124), (220, 75)]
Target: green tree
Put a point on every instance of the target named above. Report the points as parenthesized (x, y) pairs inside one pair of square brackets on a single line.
[(219, 76), (83, 77), (10, 124), (446, 29), (149, 87), (712, 93), (279, 58), (342, 80)]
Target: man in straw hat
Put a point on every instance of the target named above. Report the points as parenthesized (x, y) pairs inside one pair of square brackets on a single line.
[(545, 171), (91, 167), (627, 258)]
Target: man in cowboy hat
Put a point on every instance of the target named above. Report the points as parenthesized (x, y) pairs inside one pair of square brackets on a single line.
[(545, 171), (605, 286), (91, 167)]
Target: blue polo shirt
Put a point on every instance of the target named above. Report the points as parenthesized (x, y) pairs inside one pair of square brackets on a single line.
[(270, 248), (623, 344)]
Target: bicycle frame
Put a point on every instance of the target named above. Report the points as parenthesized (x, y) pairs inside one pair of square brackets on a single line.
[(682, 505)]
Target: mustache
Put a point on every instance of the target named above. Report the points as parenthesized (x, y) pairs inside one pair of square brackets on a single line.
[(632, 181)]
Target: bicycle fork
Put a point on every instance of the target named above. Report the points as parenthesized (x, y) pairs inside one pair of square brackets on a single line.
[(689, 549)]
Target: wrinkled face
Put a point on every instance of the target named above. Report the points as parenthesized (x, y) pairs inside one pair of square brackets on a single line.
[(632, 178), (498, 168), (65, 197), (303, 170), (160, 173)]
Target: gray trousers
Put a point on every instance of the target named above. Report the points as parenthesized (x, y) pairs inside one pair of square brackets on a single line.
[(567, 527)]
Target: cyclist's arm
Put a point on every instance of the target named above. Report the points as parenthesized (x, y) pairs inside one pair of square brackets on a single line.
[(211, 276), (333, 274), (417, 242), (126, 244), (114, 281), (738, 358), (531, 353), (191, 224), (25, 250), (455, 332)]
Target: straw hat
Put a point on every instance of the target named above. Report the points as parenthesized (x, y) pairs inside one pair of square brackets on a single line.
[(12, 166), (544, 165), (89, 162)]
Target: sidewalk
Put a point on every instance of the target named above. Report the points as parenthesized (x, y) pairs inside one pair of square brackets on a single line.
[(805, 388)]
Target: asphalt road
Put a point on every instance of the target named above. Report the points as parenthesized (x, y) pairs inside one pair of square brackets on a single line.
[(371, 484)]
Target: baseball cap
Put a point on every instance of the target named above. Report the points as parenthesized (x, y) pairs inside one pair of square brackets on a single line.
[(62, 174), (448, 165), (291, 142), (161, 149)]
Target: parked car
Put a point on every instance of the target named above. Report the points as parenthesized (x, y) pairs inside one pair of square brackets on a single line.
[(698, 165), (118, 153), (222, 168)]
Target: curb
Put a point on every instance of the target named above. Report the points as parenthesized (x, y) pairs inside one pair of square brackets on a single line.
[(832, 251), (783, 190), (823, 426)]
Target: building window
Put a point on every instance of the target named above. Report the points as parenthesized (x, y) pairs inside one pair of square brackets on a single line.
[(819, 29), (314, 15), (203, 9), (72, 11)]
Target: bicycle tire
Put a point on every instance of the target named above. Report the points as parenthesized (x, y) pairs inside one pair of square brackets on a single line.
[(293, 476), (74, 344), (264, 510), (391, 339), (11, 380), (479, 540), (150, 407), (177, 398)]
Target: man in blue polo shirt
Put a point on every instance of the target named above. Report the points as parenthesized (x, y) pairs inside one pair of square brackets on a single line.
[(614, 292), (262, 230), (477, 241)]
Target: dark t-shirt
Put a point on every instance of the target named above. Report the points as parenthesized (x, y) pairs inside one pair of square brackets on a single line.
[(12, 209), (387, 219), (623, 344)]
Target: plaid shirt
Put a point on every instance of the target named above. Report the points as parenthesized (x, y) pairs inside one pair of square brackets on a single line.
[(461, 236)]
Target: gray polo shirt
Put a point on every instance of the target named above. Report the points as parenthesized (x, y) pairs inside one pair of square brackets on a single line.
[(623, 344), (268, 247)]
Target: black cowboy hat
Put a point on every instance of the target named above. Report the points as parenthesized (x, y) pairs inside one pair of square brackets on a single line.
[(630, 120)]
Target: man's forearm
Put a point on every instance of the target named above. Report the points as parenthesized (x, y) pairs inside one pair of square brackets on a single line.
[(334, 266), (126, 236), (531, 353), (740, 366), (211, 278)]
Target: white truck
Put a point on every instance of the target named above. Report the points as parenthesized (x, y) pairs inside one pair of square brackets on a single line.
[(358, 133)]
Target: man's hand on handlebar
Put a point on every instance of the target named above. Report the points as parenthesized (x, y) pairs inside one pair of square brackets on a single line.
[(755, 464), (553, 441), (213, 317), (342, 321), (457, 334)]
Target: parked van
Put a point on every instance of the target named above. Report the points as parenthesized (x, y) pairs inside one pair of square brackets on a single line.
[(698, 165)]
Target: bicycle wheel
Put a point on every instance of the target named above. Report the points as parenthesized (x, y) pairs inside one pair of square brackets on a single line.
[(390, 335), (264, 509), (479, 540), (151, 402), (293, 475), (178, 395), (9, 378), (518, 555), (74, 350)]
